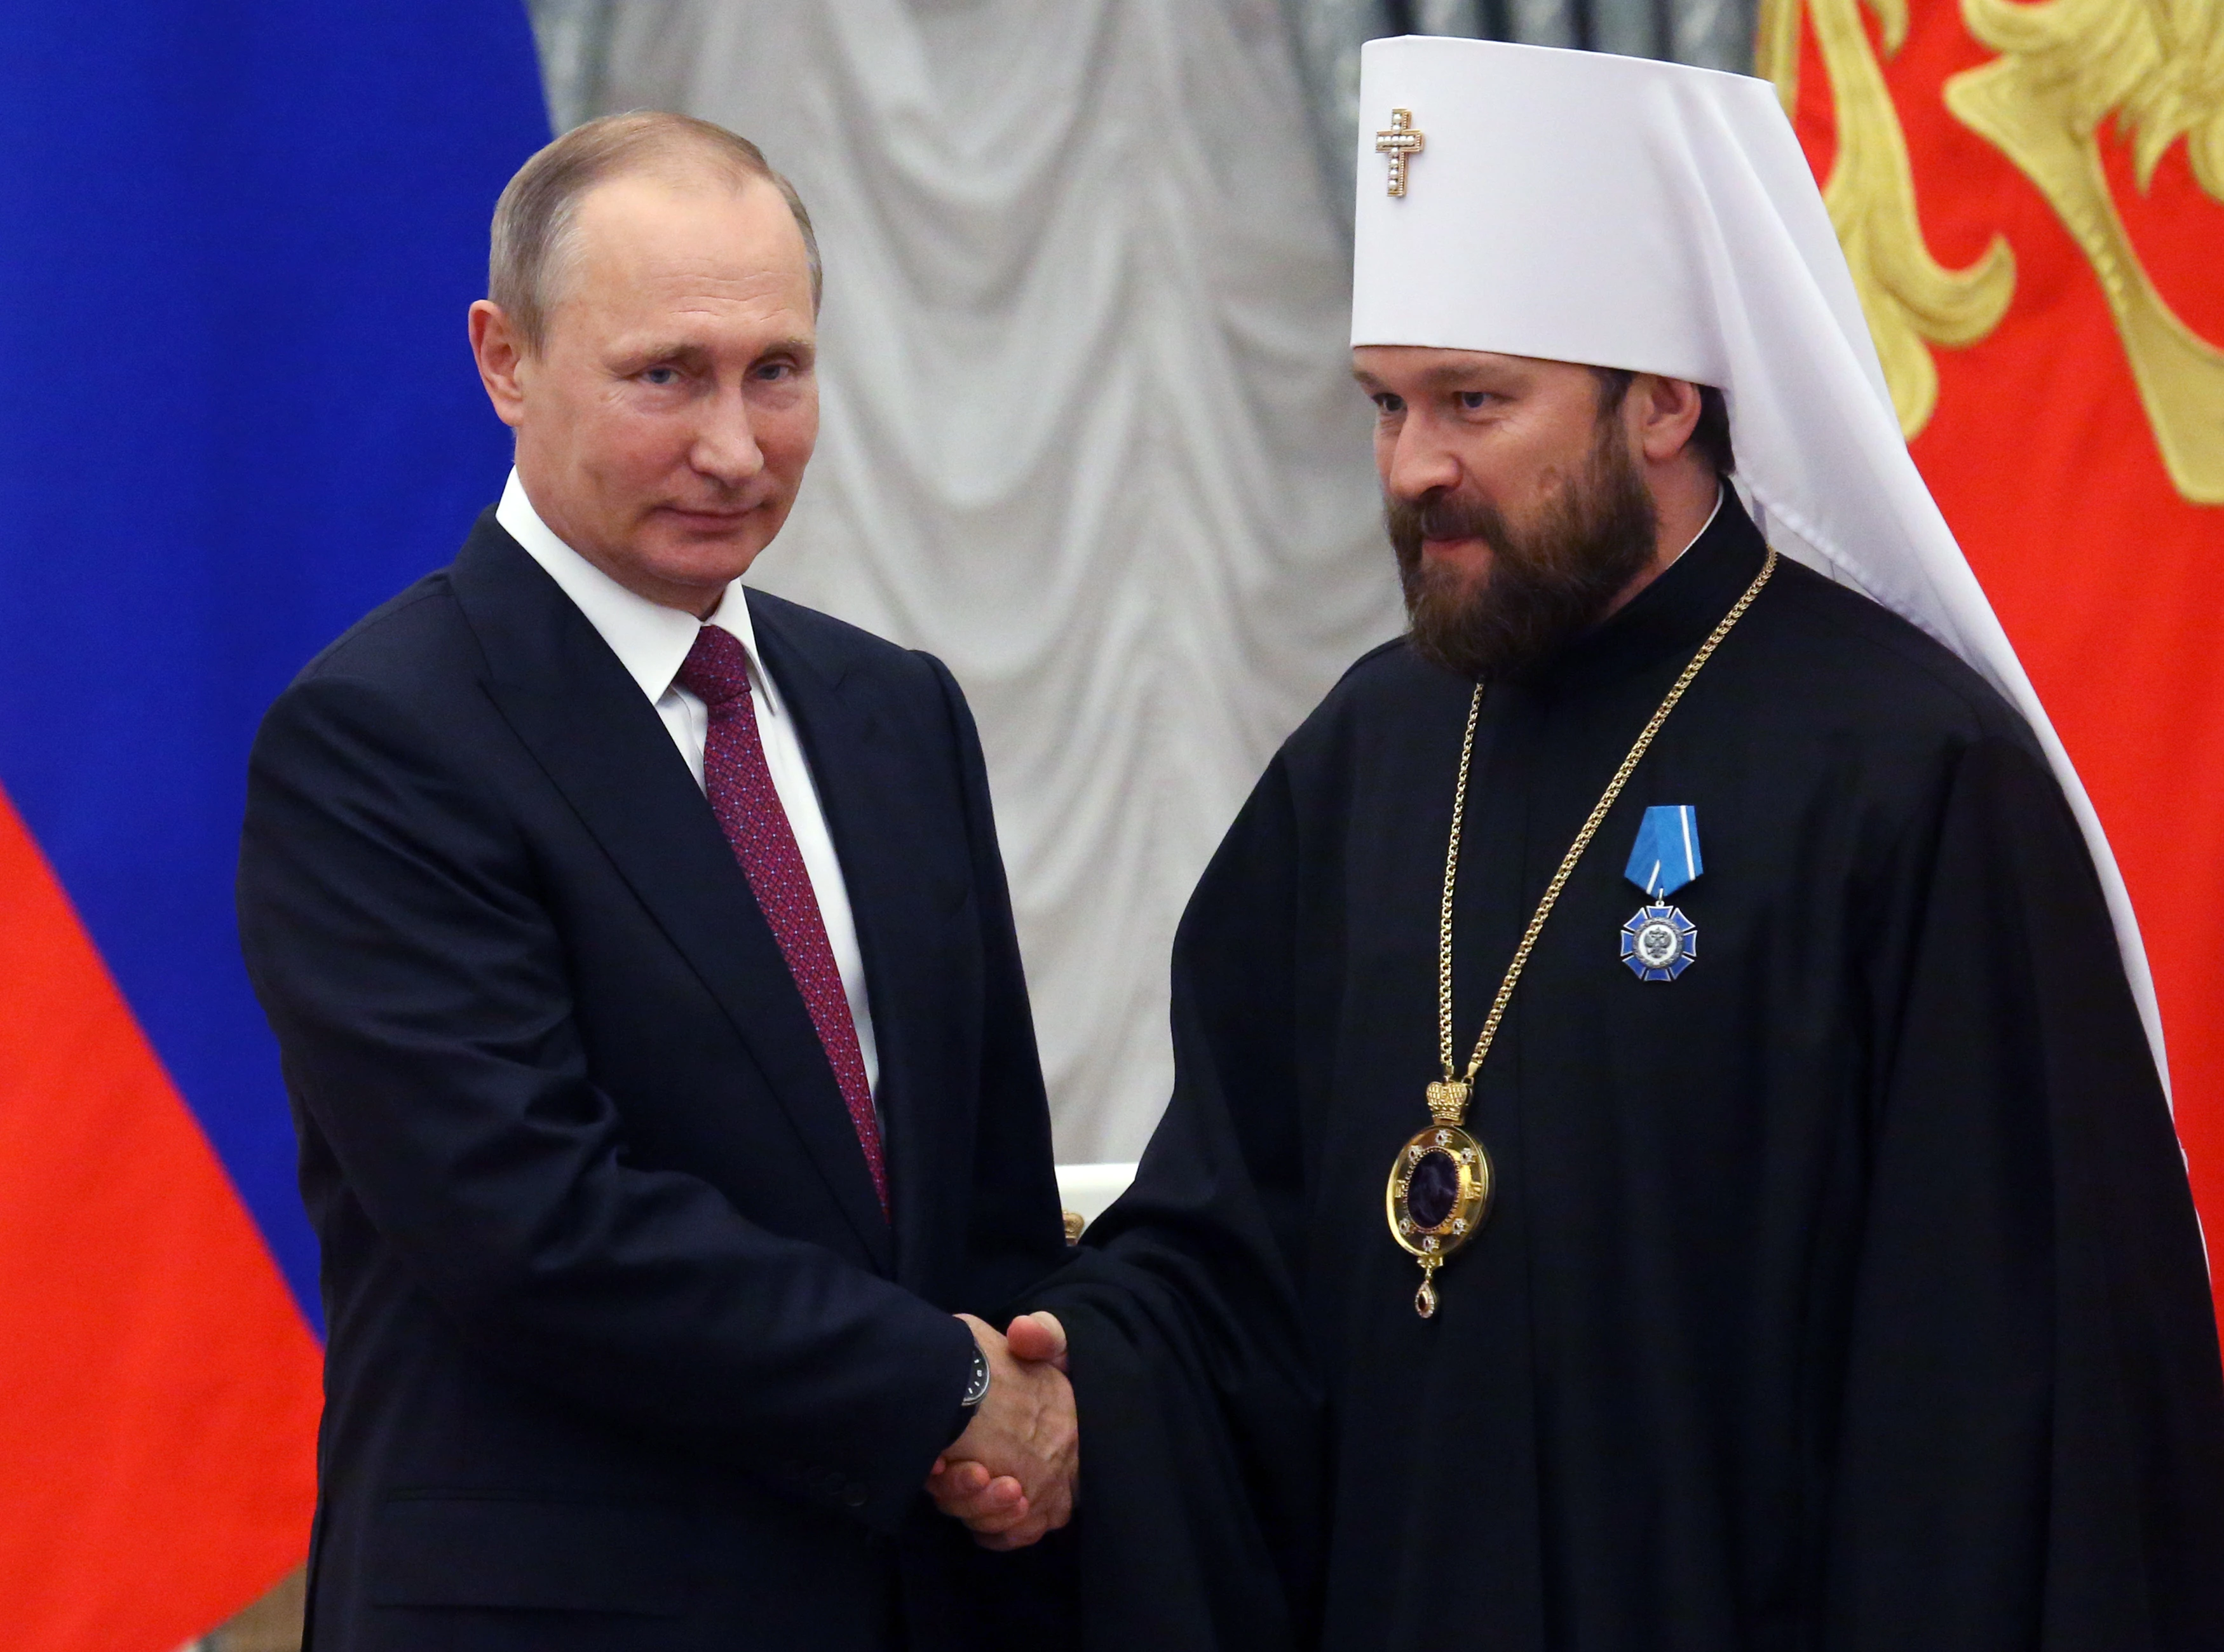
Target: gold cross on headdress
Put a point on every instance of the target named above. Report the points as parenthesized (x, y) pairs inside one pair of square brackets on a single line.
[(1399, 141)]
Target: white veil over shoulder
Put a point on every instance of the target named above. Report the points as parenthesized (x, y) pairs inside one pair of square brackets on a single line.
[(1576, 206)]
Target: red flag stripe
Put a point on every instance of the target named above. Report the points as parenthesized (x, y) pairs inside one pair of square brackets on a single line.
[(159, 1389)]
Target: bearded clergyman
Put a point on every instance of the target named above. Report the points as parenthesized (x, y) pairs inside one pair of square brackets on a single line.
[(1666, 1153)]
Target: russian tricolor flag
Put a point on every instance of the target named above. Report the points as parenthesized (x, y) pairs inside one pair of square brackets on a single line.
[(236, 410)]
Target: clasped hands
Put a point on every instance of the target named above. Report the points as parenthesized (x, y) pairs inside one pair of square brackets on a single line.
[(1010, 1478)]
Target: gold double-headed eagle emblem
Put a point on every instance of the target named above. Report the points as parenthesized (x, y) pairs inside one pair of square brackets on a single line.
[(2065, 66)]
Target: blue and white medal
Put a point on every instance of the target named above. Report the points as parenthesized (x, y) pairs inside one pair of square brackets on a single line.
[(1660, 942)]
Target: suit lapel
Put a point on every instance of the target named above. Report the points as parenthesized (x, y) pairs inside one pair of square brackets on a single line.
[(604, 746), (867, 792)]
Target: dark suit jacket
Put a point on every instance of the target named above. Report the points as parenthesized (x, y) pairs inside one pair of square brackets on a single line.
[(622, 1353)]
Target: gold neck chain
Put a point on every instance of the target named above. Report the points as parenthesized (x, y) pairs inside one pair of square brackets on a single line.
[(1448, 1100)]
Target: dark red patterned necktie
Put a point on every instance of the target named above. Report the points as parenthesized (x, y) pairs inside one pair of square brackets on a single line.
[(740, 788)]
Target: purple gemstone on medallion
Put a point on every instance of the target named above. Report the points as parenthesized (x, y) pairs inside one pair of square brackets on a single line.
[(1433, 1190)]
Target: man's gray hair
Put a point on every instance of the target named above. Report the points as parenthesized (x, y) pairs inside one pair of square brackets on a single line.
[(536, 218)]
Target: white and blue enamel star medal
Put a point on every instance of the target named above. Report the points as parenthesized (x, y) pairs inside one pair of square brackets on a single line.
[(1660, 942)]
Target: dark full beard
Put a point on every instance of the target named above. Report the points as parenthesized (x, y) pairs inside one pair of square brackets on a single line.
[(1548, 582)]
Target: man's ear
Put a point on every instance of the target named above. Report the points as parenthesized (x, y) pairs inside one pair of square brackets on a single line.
[(1663, 414), (500, 353)]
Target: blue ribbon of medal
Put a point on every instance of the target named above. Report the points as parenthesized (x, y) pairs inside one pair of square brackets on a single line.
[(1660, 942)]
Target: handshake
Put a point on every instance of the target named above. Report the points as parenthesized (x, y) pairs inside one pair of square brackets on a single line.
[(1010, 1478)]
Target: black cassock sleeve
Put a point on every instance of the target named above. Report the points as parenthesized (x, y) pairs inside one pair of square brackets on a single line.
[(1200, 1513), (2030, 1449)]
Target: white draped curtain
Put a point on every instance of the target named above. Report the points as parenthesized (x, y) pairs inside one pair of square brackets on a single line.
[(1089, 434)]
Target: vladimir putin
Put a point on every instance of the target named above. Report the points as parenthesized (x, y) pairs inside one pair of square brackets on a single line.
[(641, 959)]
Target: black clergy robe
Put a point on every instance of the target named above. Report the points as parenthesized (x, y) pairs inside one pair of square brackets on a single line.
[(1844, 1293)]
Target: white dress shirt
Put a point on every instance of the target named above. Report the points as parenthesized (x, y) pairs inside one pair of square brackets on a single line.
[(651, 641)]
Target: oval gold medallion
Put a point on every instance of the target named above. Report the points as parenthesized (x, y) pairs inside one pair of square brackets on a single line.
[(1437, 1198)]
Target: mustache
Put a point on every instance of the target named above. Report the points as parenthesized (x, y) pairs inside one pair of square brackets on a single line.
[(1441, 515)]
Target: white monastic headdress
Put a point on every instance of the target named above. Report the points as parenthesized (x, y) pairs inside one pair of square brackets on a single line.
[(1576, 206)]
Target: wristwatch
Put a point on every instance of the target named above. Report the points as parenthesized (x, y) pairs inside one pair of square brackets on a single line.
[(977, 1389)]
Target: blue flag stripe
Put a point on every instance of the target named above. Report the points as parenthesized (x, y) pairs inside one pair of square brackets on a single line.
[(240, 243)]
